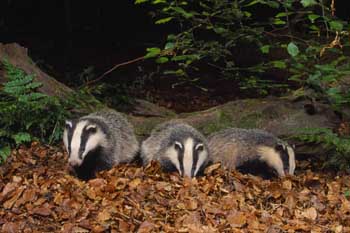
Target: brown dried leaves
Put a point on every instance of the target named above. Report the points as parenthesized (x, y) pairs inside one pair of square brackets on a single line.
[(38, 195)]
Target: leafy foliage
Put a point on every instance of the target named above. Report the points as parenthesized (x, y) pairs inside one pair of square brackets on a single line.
[(212, 31), (337, 148), (26, 114), (301, 38)]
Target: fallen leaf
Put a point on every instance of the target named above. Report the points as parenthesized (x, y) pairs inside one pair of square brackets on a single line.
[(310, 213), (103, 216), (237, 219), (146, 227)]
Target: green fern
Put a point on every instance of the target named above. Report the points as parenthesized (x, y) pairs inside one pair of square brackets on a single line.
[(27, 114), (336, 147)]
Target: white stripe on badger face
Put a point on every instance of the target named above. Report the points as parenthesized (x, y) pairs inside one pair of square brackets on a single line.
[(188, 157), (74, 159), (69, 125), (172, 154), (272, 158), (65, 139), (202, 156), (94, 140), (291, 160)]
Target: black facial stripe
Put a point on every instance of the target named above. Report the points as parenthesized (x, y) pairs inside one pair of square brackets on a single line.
[(83, 140), (195, 160), (168, 166), (180, 156), (70, 131), (284, 156)]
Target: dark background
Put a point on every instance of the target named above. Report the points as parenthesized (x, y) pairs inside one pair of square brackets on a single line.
[(64, 37)]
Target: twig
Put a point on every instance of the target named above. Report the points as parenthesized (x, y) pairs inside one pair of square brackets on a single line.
[(333, 7), (323, 16), (289, 36), (113, 68)]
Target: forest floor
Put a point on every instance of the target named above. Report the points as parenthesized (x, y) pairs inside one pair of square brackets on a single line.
[(38, 195)]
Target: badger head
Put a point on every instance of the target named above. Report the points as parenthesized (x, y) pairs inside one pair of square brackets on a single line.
[(281, 158), (188, 155), (81, 138)]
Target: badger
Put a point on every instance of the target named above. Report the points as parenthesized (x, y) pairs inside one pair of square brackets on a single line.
[(235, 147), (178, 147), (98, 141)]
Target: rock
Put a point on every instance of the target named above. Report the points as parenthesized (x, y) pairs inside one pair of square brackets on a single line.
[(280, 116)]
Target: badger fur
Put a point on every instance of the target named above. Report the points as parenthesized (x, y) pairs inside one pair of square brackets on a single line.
[(178, 147), (98, 141), (234, 147)]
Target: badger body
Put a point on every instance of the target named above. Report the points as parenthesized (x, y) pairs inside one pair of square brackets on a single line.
[(98, 141), (235, 147), (178, 147)]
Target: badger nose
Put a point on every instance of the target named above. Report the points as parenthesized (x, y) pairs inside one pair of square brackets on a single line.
[(74, 163)]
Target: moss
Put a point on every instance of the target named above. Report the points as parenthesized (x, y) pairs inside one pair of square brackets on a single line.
[(222, 121), (250, 121), (144, 127)]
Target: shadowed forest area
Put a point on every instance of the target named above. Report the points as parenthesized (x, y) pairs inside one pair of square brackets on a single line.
[(279, 66)]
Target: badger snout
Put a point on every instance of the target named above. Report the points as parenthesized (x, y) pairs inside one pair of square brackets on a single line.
[(74, 163)]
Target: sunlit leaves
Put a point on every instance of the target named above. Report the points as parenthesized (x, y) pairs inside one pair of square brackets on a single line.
[(162, 60), (313, 17), (292, 49), (22, 137), (336, 25), (164, 20), (152, 52), (265, 49), (4, 153), (307, 3), (279, 64)]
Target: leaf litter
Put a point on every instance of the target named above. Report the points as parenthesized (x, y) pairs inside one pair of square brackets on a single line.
[(37, 194)]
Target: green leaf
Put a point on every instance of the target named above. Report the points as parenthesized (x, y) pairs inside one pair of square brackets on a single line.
[(265, 49), (273, 4), (314, 28), (279, 22), (292, 49), (140, 1), (253, 3), (336, 25), (4, 153), (171, 37), (186, 57), (178, 72), (162, 60), (283, 14), (307, 3), (247, 14), (181, 11), (164, 20), (347, 193), (219, 30), (22, 137), (158, 2), (313, 17), (169, 45), (279, 64), (152, 52)]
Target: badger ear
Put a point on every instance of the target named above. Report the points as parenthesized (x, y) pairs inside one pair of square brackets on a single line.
[(178, 145), (68, 124), (199, 147), (279, 147), (91, 128)]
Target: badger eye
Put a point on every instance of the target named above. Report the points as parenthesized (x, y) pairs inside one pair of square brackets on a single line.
[(178, 146)]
